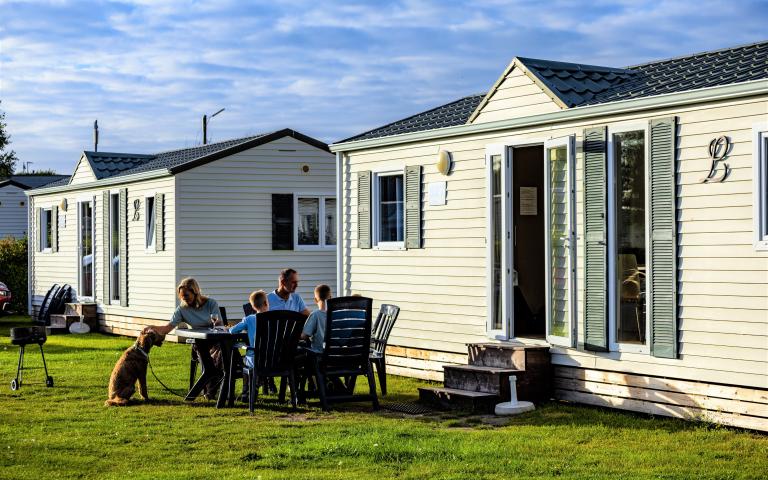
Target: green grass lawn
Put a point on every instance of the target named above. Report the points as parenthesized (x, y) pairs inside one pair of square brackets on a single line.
[(66, 432)]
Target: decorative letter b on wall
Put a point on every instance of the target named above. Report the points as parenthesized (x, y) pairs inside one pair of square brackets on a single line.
[(718, 151)]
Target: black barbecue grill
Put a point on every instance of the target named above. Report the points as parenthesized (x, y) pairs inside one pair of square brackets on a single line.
[(23, 336)]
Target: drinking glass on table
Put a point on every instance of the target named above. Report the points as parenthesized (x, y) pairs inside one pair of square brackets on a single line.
[(214, 320)]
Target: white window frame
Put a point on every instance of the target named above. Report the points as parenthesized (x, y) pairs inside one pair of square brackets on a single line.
[(613, 344), (760, 186), (375, 215), (80, 201), (569, 143), (150, 243), (43, 230), (320, 225), (108, 244)]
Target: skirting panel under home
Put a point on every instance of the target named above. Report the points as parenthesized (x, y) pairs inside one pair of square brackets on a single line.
[(724, 404), (422, 364)]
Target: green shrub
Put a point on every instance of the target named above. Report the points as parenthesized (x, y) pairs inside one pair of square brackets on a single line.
[(13, 270)]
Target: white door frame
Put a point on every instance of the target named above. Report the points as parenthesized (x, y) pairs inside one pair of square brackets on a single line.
[(80, 201), (505, 332), (569, 142)]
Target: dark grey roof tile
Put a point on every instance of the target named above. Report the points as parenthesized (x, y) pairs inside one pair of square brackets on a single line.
[(448, 115)]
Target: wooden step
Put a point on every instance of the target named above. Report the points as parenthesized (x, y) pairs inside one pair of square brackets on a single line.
[(56, 331), (456, 399), (63, 321), (508, 355), (479, 378)]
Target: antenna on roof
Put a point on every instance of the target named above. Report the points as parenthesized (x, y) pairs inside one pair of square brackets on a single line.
[(205, 125), (95, 135)]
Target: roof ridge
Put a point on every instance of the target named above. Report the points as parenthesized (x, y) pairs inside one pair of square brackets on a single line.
[(92, 153), (238, 140), (691, 55), (587, 65)]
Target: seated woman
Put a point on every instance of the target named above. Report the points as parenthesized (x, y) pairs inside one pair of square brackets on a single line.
[(197, 311)]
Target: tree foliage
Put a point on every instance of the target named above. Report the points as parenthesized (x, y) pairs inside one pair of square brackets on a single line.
[(7, 157), (13, 270)]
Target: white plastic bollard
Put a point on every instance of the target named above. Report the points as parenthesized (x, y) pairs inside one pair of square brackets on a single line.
[(513, 406)]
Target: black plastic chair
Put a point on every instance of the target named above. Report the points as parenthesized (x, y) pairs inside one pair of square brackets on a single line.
[(248, 309), (193, 360), (274, 352), (347, 350), (379, 338)]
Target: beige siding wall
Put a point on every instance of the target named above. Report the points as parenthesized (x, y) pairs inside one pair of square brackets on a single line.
[(151, 276), (13, 212), (83, 173), (517, 96), (723, 301), (225, 221)]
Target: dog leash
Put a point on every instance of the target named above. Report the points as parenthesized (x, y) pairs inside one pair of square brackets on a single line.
[(166, 387), (161, 382)]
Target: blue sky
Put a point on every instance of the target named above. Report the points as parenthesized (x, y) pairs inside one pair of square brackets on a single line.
[(148, 70)]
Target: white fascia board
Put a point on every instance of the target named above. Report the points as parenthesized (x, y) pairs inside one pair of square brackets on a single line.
[(755, 87), (99, 184)]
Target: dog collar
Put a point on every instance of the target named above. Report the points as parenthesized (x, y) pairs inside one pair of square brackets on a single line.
[(137, 347)]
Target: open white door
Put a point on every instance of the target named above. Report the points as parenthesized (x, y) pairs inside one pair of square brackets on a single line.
[(499, 254), (560, 238)]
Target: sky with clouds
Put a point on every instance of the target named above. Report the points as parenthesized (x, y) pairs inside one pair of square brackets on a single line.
[(149, 69)]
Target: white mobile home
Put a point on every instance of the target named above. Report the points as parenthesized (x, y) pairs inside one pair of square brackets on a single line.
[(617, 215), (125, 228), (13, 202)]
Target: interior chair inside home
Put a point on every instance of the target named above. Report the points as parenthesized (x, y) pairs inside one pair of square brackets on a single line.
[(632, 296)]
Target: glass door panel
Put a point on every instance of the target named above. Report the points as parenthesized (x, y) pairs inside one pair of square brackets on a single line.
[(560, 238), (86, 250)]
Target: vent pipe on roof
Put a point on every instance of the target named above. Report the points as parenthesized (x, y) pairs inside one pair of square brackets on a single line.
[(95, 135)]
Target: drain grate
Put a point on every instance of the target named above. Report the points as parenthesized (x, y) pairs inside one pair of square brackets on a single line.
[(411, 408)]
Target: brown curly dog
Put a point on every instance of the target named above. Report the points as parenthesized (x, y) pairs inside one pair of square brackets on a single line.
[(132, 367)]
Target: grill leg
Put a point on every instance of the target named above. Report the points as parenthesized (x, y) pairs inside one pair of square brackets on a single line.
[(20, 370), (45, 366)]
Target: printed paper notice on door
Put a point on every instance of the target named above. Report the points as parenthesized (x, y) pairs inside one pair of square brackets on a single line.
[(528, 204)]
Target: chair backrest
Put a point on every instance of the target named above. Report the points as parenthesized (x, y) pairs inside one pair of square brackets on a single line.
[(223, 312), (248, 309), (276, 341), (383, 327), (347, 332)]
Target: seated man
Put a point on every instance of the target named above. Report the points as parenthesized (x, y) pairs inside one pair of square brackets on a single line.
[(260, 304), (314, 329)]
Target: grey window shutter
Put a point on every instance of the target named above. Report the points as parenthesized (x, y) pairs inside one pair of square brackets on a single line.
[(159, 222), (413, 206), (54, 229), (39, 228), (663, 281), (105, 247), (595, 217), (364, 209), (282, 221), (123, 247)]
